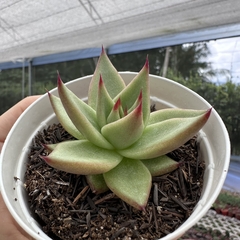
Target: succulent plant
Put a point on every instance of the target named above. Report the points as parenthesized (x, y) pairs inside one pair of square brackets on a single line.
[(119, 143)]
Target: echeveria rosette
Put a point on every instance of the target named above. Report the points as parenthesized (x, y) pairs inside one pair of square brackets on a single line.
[(120, 145)]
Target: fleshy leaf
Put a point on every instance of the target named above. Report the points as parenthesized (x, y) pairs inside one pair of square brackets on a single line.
[(104, 104), (131, 181), (125, 131), (112, 80), (161, 138), (97, 183), (160, 165), (168, 113), (82, 116), (63, 117), (82, 157), (130, 94)]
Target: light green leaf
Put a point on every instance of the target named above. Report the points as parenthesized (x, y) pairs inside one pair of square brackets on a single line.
[(112, 80), (63, 117), (104, 104), (131, 181), (97, 183), (160, 165), (168, 113), (130, 94), (82, 157), (125, 131), (163, 137), (82, 116)]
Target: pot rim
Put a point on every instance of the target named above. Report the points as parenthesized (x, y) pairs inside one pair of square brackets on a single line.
[(203, 205)]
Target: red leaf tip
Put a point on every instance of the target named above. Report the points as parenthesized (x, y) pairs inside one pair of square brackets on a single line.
[(147, 63), (45, 158), (140, 96), (142, 208), (46, 147), (139, 109), (103, 50), (117, 105), (208, 113), (100, 81), (59, 80)]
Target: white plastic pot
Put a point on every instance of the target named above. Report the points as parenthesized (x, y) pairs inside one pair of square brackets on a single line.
[(214, 147)]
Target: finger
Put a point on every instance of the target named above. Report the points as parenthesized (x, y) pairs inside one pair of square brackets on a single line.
[(9, 229), (9, 118)]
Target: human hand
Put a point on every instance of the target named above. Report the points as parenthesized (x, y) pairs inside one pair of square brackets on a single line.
[(8, 118), (9, 229)]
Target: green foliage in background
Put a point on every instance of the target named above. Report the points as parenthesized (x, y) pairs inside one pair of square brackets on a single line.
[(227, 198), (225, 99)]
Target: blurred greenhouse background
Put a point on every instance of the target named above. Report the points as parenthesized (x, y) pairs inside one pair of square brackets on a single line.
[(189, 64)]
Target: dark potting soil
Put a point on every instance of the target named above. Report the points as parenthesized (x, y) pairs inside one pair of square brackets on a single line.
[(67, 209)]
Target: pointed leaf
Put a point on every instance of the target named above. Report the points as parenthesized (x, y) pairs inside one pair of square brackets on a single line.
[(97, 183), (125, 131), (130, 94), (104, 104), (70, 100), (163, 137), (82, 116), (131, 181), (112, 80), (160, 165), (49, 147), (82, 157), (63, 117), (168, 113)]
